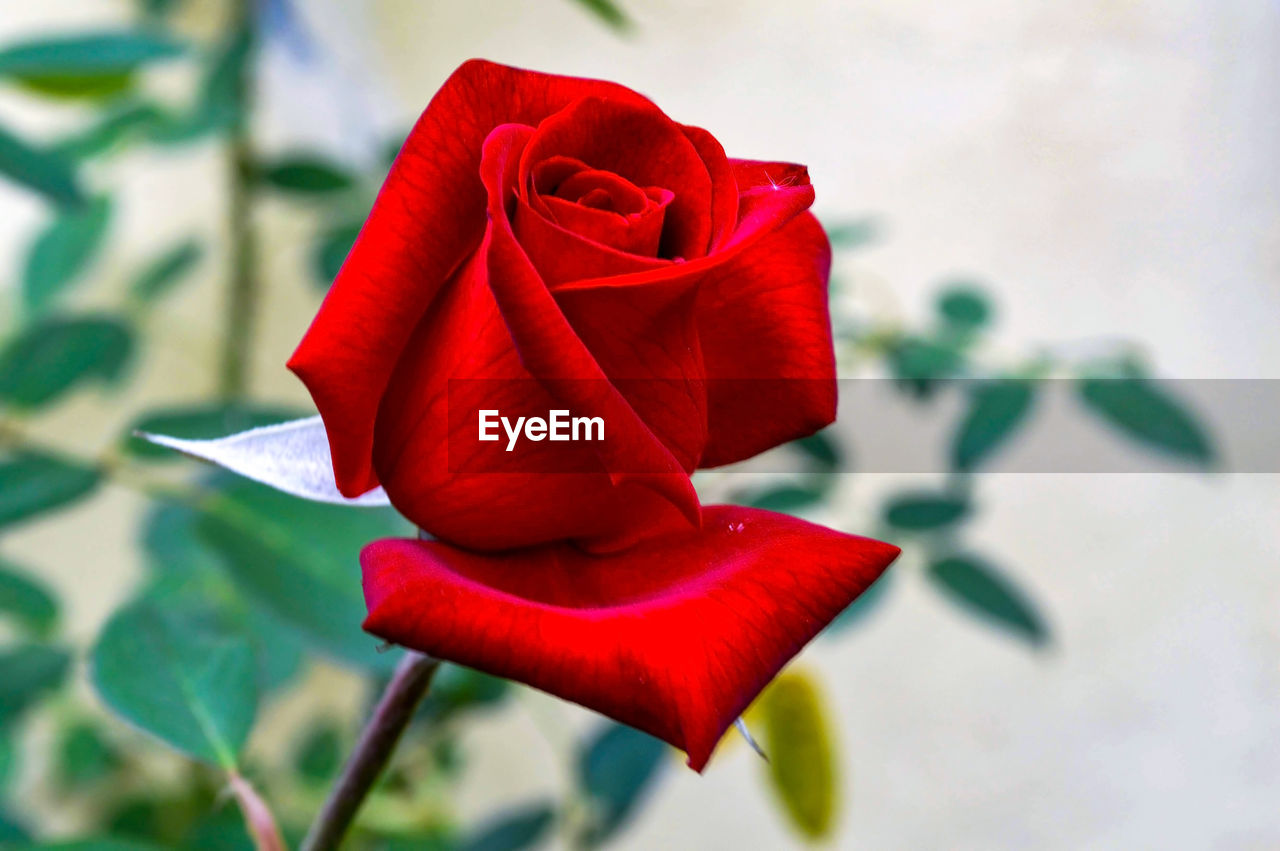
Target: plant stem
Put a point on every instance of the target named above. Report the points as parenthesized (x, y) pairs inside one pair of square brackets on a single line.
[(372, 752), (242, 295)]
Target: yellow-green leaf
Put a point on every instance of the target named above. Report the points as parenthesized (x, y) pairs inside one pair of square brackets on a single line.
[(796, 736)]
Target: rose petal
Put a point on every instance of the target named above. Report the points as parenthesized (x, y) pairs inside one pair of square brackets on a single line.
[(642, 144), (429, 216), (765, 329), (674, 637), (461, 358)]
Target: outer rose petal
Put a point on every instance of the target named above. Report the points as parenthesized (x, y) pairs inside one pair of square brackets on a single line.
[(429, 216), (674, 637), (766, 341)]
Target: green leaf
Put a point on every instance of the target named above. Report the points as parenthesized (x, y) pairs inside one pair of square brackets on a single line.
[(8, 766), (46, 172), (94, 845), (822, 449), (997, 409), (522, 829), (919, 364), (62, 251), (980, 589), (455, 689), (607, 11), (219, 105), (84, 757), (331, 251), (616, 770), (164, 272), (53, 356), (964, 307), (802, 766), (301, 560), (91, 66), (854, 234), (27, 673), (202, 421), (788, 499), (921, 511), (12, 833), (32, 484), (1139, 409), (320, 753), (27, 601), (118, 124), (306, 173), (191, 687)]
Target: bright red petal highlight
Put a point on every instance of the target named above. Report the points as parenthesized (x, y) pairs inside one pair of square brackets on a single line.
[(675, 636)]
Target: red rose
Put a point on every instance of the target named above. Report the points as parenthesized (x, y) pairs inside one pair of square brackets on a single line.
[(566, 240)]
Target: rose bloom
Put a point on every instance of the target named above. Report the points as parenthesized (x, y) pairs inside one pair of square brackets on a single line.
[(566, 242)]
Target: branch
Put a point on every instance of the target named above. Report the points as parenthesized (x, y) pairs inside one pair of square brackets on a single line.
[(373, 751)]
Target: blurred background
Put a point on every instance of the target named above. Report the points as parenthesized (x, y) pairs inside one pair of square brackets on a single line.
[(1082, 194)]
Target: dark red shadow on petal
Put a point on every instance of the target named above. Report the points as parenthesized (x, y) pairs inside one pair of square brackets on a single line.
[(674, 637)]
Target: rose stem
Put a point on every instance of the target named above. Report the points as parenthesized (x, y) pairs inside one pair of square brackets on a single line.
[(372, 752), (242, 296)]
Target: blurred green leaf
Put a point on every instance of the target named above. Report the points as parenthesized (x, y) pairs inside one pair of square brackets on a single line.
[(869, 601), (117, 124), (306, 173), (1139, 409), (47, 172), (52, 356), (8, 766), (219, 104), (27, 601), (980, 589), (796, 736), (62, 251), (331, 251), (997, 409), (84, 65), (789, 498), (456, 689), (822, 449), (320, 753), (12, 833), (919, 364), (854, 234), (192, 688), (217, 419), (84, 757), (27, 673), (616, 769), (190, 582), (607, 11), (301, 559), (32, 484), (92, 845), (515, 831), (921, 511), (964, 306), (166, 271)]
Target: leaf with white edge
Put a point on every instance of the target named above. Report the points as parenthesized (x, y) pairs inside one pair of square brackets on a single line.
[(192, 687), (292, 457)]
